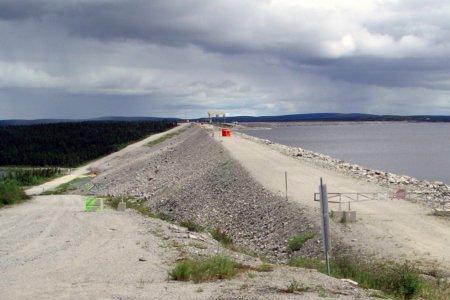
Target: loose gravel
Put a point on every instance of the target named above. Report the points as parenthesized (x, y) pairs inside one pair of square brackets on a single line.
[(191, 177)]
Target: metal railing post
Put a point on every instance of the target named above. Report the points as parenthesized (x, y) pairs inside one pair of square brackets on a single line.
[(325, 223)]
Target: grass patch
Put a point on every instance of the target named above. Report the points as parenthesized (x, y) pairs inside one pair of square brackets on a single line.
[(436, 290), (11, 193), (68, 186), (307, 263), (264, 267), (192, 226), (297, 241), (165, 137), (138, 205), (399, 280), (296, 286), (222, 237), (203, 269)]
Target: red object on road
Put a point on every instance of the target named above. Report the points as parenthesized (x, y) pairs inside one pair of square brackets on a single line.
[(226, 132), (400, 194)]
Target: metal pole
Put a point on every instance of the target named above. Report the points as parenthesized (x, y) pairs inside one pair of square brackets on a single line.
[(285, 181), (325, 223)]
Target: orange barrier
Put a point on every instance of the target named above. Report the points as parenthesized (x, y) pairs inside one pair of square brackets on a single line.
[(226, 132)]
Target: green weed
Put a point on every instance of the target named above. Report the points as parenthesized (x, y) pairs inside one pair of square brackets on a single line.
[(221, 236), (192, 226), (205, 269), (297, 241), (11, 193)]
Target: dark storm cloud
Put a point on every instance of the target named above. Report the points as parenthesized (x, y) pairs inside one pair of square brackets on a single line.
[(249, 57), (13, 10)]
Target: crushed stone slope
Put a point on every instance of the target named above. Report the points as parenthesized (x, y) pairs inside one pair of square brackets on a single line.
[(191, 177)]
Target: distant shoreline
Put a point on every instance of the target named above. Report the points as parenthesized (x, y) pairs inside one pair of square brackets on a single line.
[(269, 125)]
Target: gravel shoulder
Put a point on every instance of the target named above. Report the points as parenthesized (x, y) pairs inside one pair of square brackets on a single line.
[(394, 228)]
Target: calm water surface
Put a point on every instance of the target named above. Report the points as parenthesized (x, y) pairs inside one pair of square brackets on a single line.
[(421, 150)]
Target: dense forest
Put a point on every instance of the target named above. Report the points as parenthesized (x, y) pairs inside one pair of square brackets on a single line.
[(70, 144)]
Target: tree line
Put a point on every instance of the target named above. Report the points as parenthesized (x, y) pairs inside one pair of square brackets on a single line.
[(70, 144)]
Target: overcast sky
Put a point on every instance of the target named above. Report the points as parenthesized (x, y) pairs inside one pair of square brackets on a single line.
[(89, 58)]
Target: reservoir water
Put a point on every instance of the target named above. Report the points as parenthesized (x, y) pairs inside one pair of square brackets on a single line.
[(421, 150)]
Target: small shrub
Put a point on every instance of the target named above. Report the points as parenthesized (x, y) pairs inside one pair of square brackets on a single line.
[(205, 269), (297, 241), (221, 235), (182, 271), (404, 280), (192, 226), (307, 263), (11, 192), (395, 279), (296, 286), (264, 267)]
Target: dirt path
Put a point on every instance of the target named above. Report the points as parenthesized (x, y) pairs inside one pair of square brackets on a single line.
[(397, 228), (52, 249), (36, 190)]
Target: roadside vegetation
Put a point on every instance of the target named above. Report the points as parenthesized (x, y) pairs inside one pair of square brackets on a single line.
[(203, 269), (297, 241), (296, 286), (70, 144), (165, 137), (138, 205), (11, 193), (68, 186), (222, 236), (192, 226), (13, 180), (402, 281), (30, 176)]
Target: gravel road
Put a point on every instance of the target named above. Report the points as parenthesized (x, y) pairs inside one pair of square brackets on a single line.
[(393, 228), (52, 249)]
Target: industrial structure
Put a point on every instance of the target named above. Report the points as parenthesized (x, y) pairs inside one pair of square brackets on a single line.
[(216, 114)]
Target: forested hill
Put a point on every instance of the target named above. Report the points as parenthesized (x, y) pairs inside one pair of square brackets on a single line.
[(335, 117), (70, 144)]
